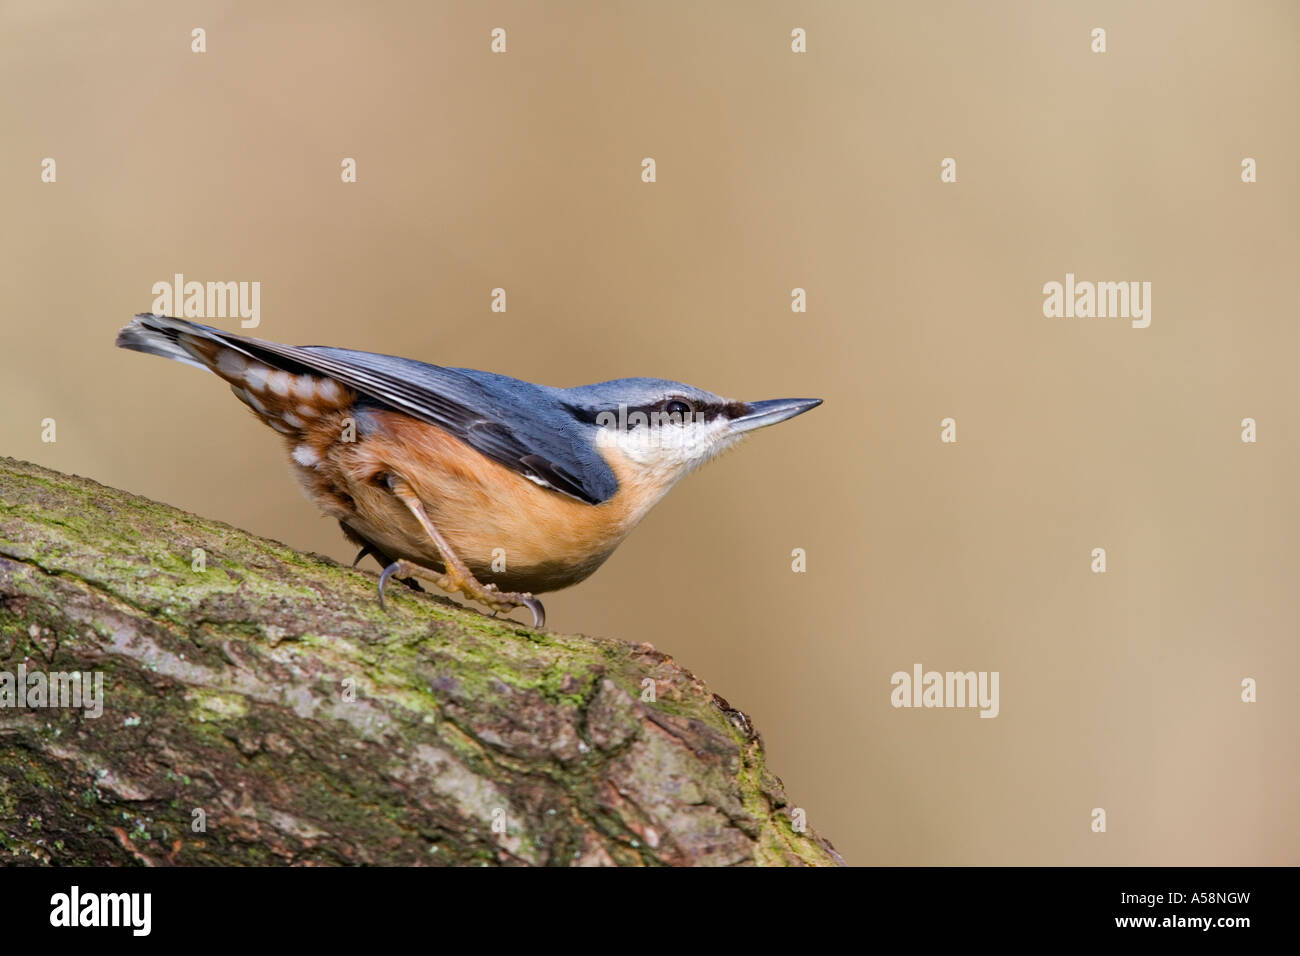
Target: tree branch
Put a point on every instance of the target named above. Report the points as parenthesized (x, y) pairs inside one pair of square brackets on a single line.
[(262, 694)]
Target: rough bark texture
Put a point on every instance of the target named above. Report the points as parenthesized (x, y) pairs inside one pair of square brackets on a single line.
[(271, 692)]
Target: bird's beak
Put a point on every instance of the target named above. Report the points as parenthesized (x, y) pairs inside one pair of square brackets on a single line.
[(762, 414)]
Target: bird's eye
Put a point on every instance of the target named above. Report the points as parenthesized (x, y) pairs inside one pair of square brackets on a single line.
[(676, 406)]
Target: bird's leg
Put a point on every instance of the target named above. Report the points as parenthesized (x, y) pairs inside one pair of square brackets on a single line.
[(458, 578)]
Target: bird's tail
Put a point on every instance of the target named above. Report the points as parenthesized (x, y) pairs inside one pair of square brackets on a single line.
[(284, 392), (174, 339)]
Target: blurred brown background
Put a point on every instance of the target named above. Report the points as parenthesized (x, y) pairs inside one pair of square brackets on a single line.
[(775, 171)]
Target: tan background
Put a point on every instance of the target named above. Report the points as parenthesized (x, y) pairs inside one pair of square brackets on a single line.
[(775, 170)]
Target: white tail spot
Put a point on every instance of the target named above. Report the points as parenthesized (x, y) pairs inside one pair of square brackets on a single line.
[(279, 383), (306, 456), (248, 399), (255, 377), (231, 364)]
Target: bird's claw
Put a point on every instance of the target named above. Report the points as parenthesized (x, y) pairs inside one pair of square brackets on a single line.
[(394, 568), (488, 594), (539, 612)]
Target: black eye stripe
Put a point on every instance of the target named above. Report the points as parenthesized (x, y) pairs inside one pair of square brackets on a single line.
[(705, 412), (679, 408)]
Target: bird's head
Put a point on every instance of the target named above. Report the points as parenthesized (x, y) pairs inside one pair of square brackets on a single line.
[(659, 431)]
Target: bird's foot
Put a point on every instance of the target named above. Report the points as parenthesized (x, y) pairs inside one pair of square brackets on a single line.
[(457, 582), (410, 582)]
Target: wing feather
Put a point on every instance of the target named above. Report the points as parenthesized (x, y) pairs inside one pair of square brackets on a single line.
[(512, 422)]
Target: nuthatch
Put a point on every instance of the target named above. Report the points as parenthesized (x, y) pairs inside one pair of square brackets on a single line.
[(488, 486)]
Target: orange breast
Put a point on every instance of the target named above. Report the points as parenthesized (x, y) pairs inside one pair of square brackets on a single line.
[(509, 531)]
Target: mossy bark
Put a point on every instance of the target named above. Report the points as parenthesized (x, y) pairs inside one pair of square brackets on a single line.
[(260, 708)]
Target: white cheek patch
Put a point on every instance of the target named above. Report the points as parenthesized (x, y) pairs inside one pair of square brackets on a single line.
[(670, 449)]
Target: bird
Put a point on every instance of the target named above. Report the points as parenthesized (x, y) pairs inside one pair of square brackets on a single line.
[(489, 486)]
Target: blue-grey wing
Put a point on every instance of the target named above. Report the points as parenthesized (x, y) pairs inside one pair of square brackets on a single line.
[(518, 424)]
